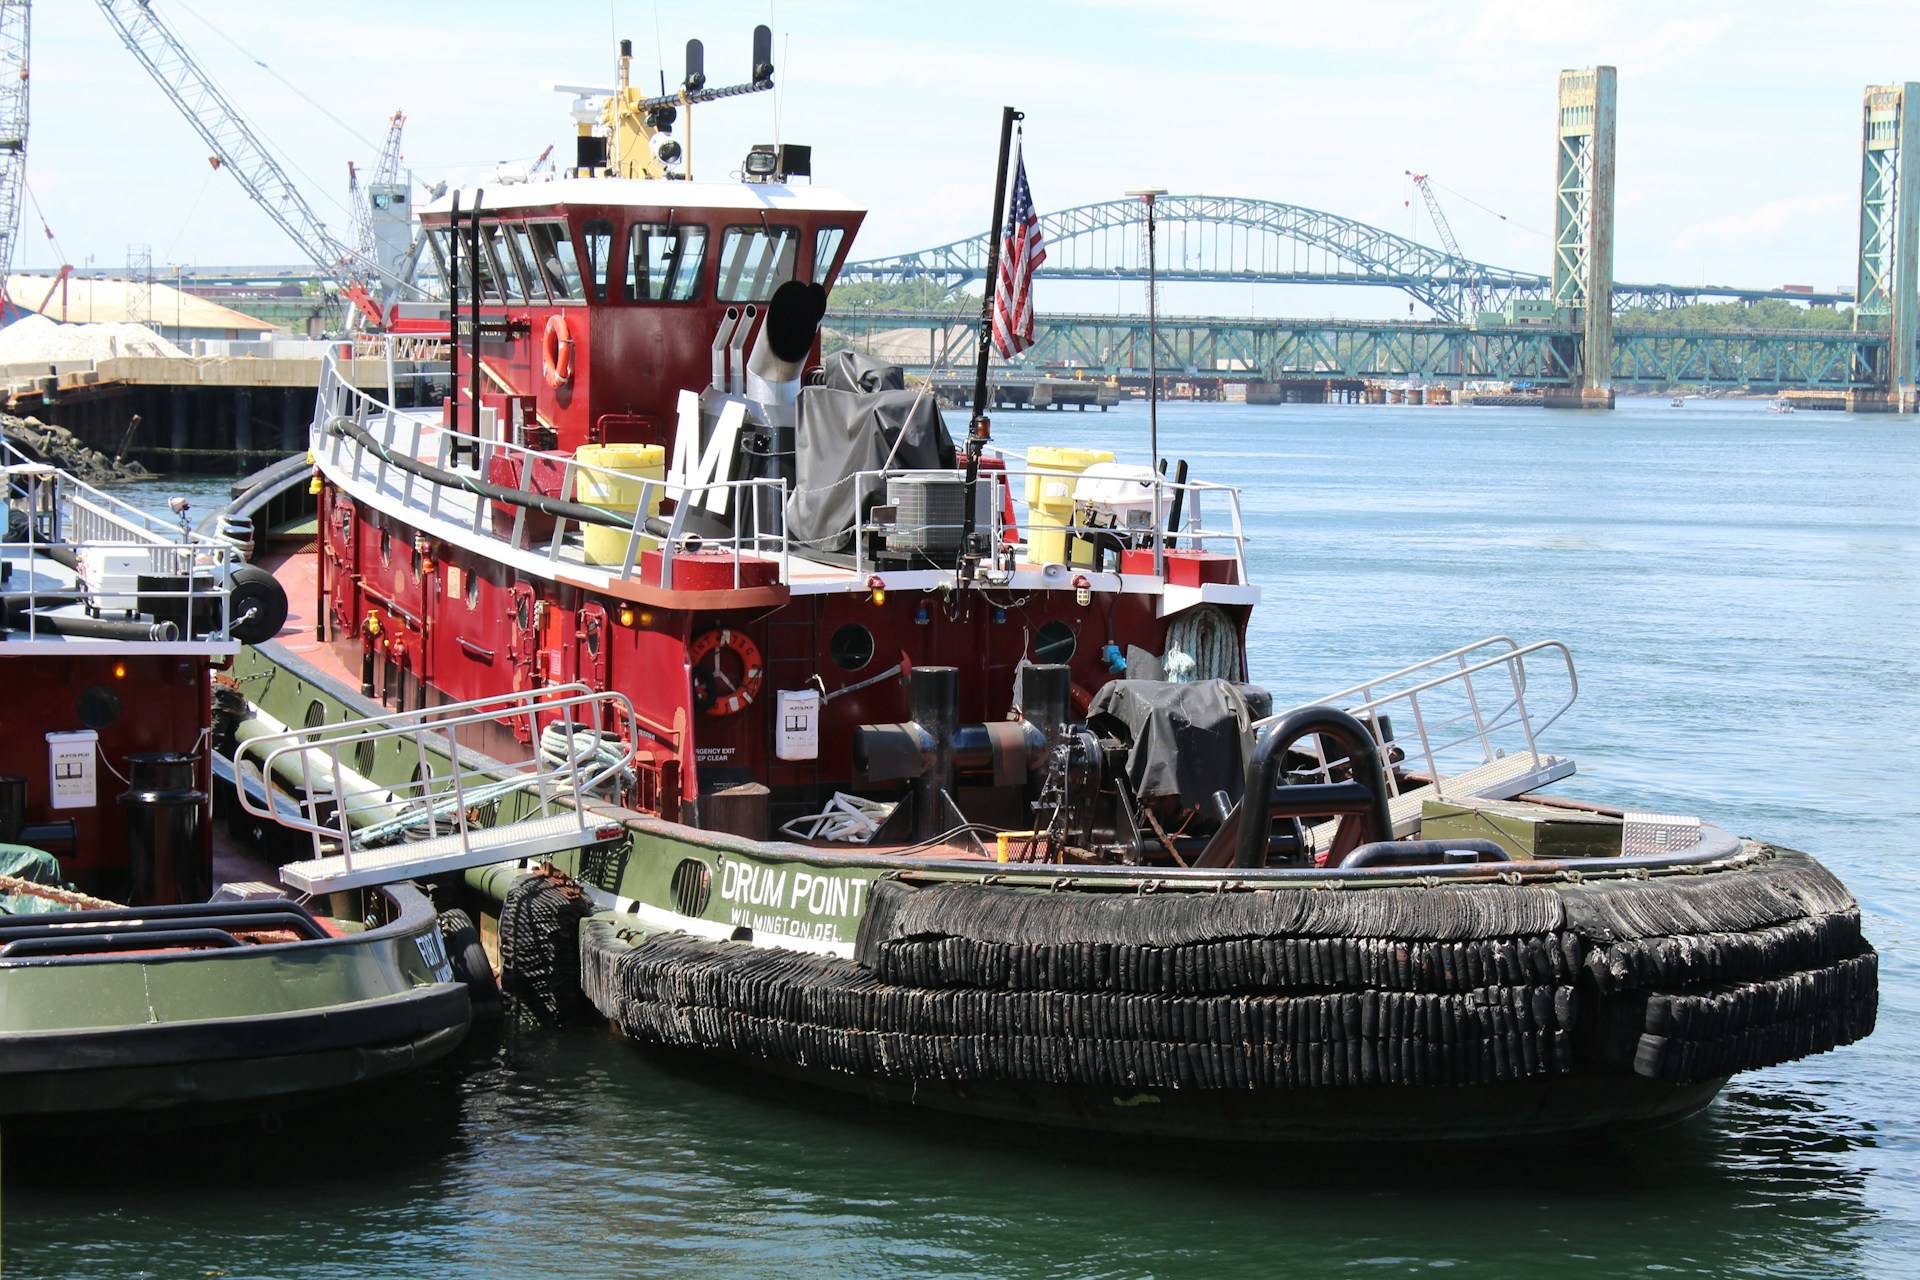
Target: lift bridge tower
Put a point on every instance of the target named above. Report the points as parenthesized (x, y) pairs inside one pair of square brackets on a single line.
[(1888, 282), (1583, 236)]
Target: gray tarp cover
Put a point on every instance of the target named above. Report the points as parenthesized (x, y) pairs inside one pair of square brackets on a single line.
[(1187, 738), (850, 425)]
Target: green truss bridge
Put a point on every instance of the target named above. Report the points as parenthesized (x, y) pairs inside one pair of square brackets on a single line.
[(1235, 348)]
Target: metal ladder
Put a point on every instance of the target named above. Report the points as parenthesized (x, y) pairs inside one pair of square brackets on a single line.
[(355, 822)]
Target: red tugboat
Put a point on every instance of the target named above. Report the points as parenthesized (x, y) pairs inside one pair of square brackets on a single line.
[(943, 779)]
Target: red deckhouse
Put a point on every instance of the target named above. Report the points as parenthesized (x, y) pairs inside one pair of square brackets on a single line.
[(645, 477)]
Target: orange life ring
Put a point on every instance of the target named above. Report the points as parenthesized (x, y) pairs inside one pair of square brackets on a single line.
[(718, 692), (556, 353)]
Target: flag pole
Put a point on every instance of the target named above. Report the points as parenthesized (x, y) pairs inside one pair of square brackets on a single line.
[(980, 429), (1007, 116)]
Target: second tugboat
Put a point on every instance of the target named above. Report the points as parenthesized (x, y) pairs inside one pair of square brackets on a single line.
[(939, 775)]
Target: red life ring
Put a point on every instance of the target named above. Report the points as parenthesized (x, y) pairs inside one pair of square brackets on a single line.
[(556, 353), (716, 690)]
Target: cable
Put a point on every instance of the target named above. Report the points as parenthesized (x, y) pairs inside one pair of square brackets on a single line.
[(310, 100), (35, 202), (191, 210), (1483, 208)]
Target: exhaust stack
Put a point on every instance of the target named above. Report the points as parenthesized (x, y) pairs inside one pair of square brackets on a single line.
[(736, 362), (772, 372)]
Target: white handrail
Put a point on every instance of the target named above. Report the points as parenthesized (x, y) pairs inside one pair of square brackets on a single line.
[(1472, 726), (337, 804)]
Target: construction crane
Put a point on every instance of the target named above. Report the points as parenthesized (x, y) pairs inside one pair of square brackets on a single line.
[(13, 135), (237, 149), (1451, 245), (379, 193)]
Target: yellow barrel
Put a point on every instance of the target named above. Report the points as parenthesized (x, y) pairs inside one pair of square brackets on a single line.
[(1051, 472), (625, 469)]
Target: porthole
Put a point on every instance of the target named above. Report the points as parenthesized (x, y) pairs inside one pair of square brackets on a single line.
[(97, 706), (851, 647), (691, 887), (473, 587), (386, 548), (1054, 642)]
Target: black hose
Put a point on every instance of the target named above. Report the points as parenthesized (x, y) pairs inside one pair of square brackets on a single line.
[(93, 628), (1421, 853), (558, 507), (1364, 797)]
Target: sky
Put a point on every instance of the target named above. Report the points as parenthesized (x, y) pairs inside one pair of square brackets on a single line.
[(1738, 138)]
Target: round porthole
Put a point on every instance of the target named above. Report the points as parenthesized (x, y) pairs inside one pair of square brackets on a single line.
[(97, 706), (1054, 642), (691, 887), (851, 647)]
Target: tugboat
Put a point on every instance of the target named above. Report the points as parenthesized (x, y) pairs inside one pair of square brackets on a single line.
[(939, 776), (133, 988)]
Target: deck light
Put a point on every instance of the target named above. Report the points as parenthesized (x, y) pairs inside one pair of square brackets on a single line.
[(1082, 590), (878, 586), (626, 616)]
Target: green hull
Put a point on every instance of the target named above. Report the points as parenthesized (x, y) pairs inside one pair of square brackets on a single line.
[(223, 1029)]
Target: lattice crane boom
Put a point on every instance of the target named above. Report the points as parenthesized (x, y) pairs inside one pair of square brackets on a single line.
[(14, 15), (234, 143), (388, 168), (1447, 241)]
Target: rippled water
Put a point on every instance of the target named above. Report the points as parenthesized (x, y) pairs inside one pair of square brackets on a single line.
[(1742, 592)]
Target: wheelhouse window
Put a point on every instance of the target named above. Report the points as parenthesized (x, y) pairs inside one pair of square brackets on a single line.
[(501, 243), (754, 261), (523, 254), (664, 261), (826, 252), (597, 235), (559, 265)]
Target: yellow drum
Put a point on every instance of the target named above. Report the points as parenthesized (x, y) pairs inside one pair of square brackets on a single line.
[(1051, 472), (624, 470)]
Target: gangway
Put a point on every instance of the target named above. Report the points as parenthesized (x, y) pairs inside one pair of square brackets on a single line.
[(364, 833)]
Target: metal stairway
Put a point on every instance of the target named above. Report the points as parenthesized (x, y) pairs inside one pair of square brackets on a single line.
[(364, 833)]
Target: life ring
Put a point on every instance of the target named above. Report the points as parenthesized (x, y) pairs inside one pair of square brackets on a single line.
[(717, 690), (556, 353)]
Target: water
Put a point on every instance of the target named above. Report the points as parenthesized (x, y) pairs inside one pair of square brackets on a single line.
[(1742, 593)]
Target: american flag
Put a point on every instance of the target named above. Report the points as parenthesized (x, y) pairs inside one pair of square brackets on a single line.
[(1020, 256)]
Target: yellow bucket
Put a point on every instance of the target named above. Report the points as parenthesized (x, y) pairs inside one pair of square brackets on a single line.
[(1051, 472), (624, 472)]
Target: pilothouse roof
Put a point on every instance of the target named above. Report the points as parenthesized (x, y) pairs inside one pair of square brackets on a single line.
[(770, 197)]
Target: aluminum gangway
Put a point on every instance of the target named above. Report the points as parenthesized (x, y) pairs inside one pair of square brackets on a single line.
[(365, 832)]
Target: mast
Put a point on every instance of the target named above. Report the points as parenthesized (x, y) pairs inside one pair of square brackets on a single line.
[(980, 429)]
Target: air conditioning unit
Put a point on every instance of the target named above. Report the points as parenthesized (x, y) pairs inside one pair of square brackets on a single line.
[(930, 512)]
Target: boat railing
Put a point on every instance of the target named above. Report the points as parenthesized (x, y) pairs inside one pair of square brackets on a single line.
[(1008, 520), (119, 560), (570, 748), (748, 523), (1459, 711)]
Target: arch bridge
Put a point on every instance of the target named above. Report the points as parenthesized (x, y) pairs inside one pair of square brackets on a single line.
[(1238, 240)]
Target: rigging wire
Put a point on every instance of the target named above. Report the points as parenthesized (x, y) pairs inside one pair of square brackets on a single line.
[(44, 225), (1483, 208), (191, 210), (308, 98)]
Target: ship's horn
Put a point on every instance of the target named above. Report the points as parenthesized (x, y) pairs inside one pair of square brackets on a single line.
[(786, 336), (735, 342), (720, 339)]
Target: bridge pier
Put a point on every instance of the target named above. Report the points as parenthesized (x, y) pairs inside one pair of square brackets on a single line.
[(1888, 281), (1583, 237)]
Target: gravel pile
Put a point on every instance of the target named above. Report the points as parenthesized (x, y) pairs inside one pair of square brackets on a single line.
[(36, 339)]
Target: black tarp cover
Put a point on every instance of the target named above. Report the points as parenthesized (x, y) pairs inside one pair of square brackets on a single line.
[(851, 425), (1187, 738)]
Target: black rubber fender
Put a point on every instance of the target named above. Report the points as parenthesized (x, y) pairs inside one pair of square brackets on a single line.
[(470, 964), (256, 605)]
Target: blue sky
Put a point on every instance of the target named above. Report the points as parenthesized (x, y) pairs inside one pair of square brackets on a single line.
[(1738, 142)]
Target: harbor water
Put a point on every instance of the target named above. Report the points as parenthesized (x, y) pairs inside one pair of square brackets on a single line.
[(1741, 591)]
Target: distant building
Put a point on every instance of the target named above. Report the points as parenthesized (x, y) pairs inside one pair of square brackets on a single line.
[(169, 312)]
